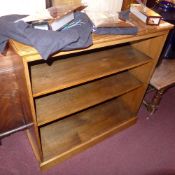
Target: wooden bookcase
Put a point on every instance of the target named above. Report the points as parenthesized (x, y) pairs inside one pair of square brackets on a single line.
[(80, 97)]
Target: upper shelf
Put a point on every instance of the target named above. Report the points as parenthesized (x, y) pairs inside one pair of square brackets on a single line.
[(30, 54), (65, 73)]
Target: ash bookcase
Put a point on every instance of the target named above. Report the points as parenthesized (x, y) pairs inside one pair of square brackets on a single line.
[(78, 98)]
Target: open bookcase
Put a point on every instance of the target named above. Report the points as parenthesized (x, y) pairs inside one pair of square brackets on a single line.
[(81, 97)]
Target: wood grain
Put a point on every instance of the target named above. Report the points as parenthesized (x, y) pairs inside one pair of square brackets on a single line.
[(82, 128), (14, 110), (70, 77), (69, 72), (64, 103), (144, 31), (164, 74)]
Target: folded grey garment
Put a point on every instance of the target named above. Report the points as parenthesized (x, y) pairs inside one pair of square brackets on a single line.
[(46, 42), (3, 43), (12, 17), (83, 25), (49, 42), (118, 30), (74, 36)]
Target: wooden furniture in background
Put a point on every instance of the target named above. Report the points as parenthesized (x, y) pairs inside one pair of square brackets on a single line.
[(14, 104), (126, 4), (162, 79), (80, 97), (151, 3)]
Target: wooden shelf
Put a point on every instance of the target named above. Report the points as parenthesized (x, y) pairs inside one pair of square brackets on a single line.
[(164, 74), (53, 106), (65, 73), (63, 138), (80, 97)]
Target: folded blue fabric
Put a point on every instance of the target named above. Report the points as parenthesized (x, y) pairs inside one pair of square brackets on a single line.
[(84, 26), (3, 43), (46, 42), (118, 30)]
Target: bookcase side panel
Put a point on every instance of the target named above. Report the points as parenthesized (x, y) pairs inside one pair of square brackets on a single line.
[(151, 47), (33, 132)]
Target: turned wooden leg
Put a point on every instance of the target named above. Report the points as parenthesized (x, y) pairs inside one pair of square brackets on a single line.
[(153, 105)]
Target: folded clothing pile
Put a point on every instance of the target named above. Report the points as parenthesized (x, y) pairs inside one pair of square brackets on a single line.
[(114, 23), (46, 42)]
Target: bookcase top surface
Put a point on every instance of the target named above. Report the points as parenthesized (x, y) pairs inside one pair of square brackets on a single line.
[(30, 54)]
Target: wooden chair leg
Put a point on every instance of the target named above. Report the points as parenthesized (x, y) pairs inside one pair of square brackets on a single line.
[(153, 105)]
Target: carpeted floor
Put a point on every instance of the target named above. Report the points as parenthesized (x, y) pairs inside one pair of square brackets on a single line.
[(147, 148)]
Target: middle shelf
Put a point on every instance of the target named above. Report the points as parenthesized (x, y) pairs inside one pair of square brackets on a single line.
[(52, 107)]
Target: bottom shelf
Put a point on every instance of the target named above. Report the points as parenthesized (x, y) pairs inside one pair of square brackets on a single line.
[(77, 132)]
